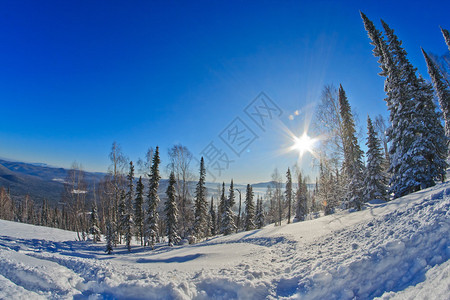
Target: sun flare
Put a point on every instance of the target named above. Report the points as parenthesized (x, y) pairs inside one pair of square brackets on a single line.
[(303, 144)]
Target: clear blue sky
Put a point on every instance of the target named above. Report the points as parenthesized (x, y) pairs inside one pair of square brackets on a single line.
[(77, 75)]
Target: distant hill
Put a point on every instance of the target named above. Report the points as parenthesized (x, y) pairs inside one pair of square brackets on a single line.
[(45, 171), (40, 181)]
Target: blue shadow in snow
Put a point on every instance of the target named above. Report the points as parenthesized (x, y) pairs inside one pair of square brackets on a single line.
[(176, 259)]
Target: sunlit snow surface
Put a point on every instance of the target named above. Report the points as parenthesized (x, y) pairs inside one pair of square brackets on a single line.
[(398, 250)]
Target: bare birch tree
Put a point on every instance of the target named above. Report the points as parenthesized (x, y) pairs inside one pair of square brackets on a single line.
[(180, 164), (74, 197)]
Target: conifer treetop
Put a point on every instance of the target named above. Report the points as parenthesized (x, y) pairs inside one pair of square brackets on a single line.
[(446, 35), (442, 90), (377, 41)]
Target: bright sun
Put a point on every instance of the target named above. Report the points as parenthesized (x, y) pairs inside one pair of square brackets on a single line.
[(303, 144)]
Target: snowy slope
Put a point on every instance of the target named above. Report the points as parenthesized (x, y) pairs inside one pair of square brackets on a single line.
[(398, 250)]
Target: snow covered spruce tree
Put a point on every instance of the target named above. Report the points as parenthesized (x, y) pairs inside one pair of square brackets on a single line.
[(109, 238), (375, 181), (151, 222), (228, 214), (301, 208), (221, 208), (172, 212), (139, 211), (353, 164), (201, 229), (442, 90), (94, 229), (122, 214), (249, 209), (259, 213), (417, 139), (379, 50), (443, 62), (288, 193), (212, 218), (110, 232), (417, 136), (128, 214), (446, 35)]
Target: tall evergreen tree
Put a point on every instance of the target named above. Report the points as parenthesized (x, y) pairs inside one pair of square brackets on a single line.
[(128, 217), (289, 193), (122, 214), (139, 211), (353, 164), (396, 100), (228, 214), (259, 213), (109, 238), (379, 44), (239, 216), (221, 209), (442, 90), (152, 218), (212, 218), (94, 229), (110, 232), (417, 137), (301, 204), (446, 35), (172, 212), (201, 229), (249, 209), (385, 60), (375, 181)]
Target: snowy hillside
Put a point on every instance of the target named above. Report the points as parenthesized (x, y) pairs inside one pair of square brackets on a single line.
[(394, 250)]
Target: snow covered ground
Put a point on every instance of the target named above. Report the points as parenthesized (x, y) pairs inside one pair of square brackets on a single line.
[(397, 250)]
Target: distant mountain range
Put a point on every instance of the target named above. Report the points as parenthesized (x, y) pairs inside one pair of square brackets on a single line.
[(42, 181)]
